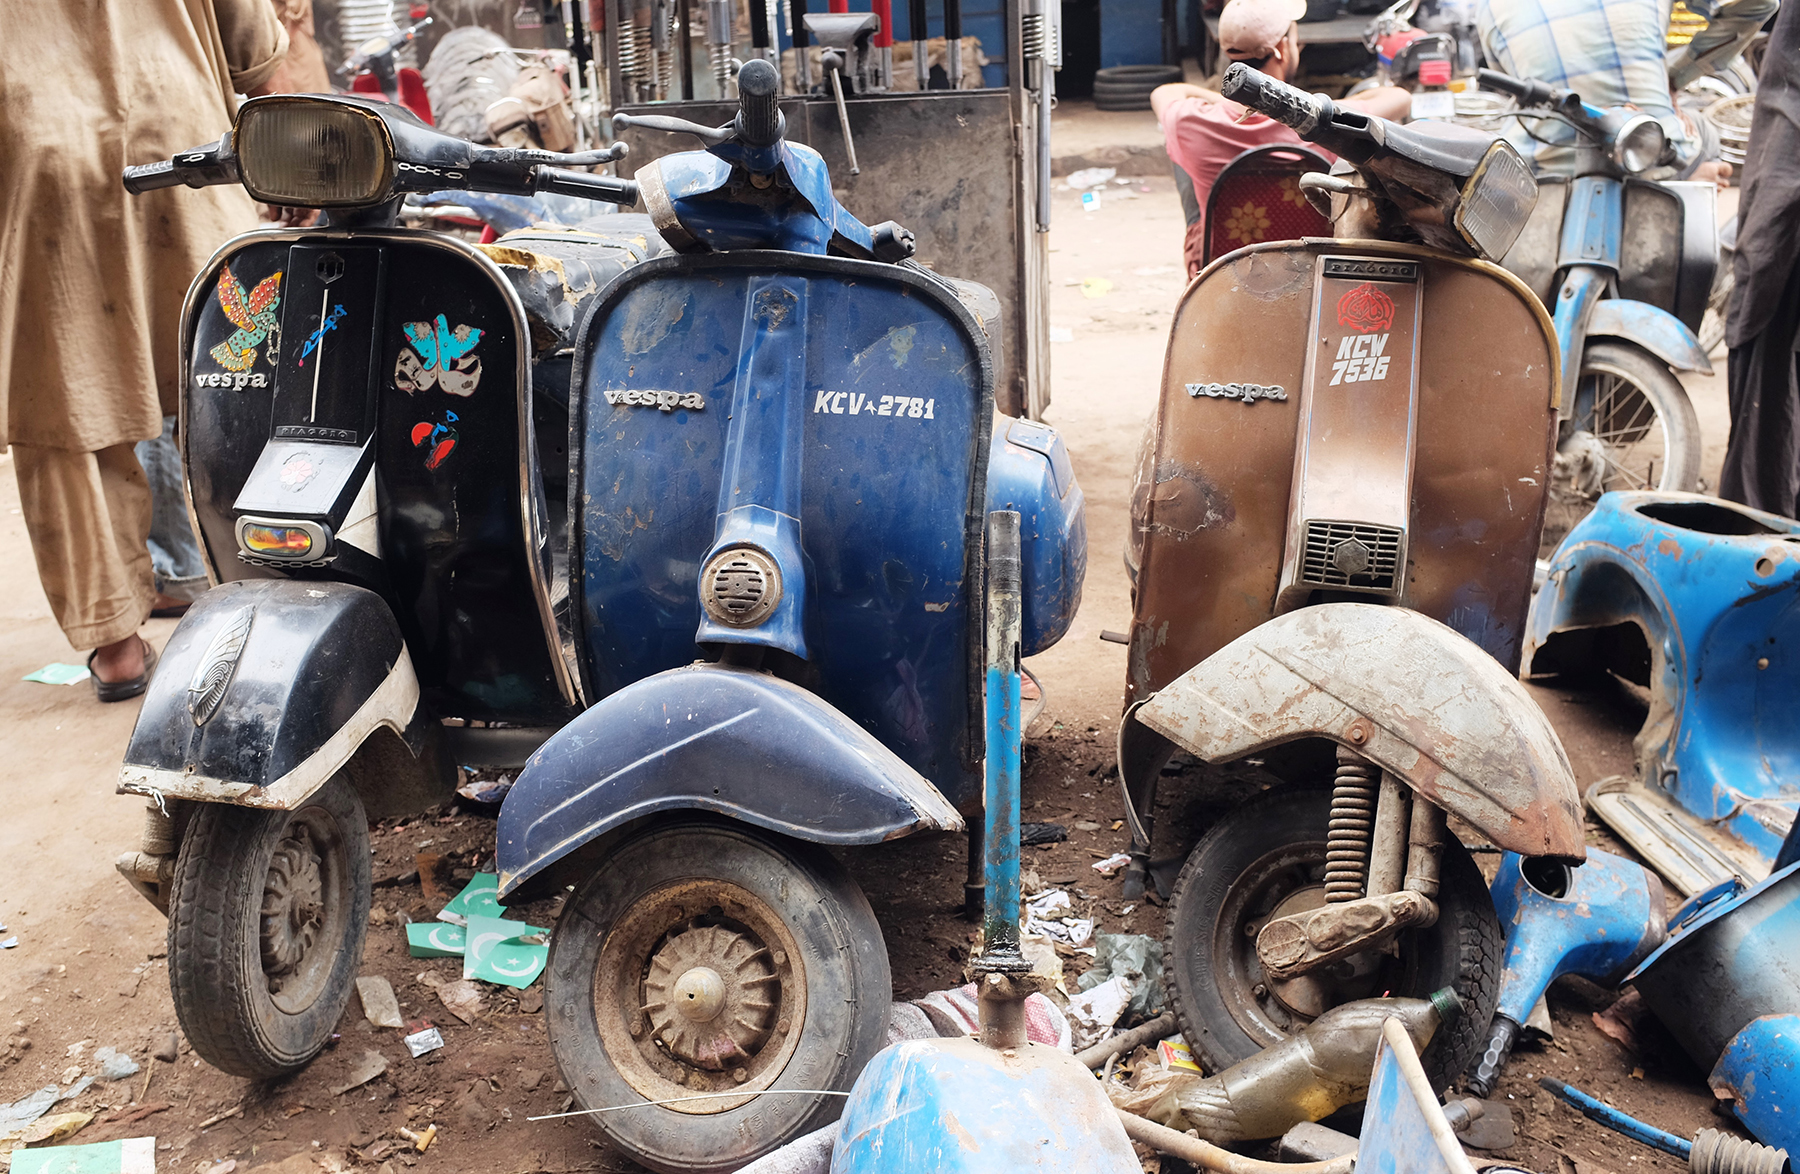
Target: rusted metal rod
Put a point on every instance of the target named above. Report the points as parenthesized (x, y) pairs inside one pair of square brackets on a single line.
[(1163, 1025), (1209, 1156)]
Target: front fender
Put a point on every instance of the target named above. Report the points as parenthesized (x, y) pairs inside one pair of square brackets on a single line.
[(707, 737), (265, 690), (1404, 690), (1657, 331)]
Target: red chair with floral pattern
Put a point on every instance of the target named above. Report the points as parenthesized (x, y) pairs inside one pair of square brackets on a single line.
[(1257, 198)]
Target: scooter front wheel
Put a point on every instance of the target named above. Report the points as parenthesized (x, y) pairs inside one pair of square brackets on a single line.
[(1266, 858), (266, 926), (708, 966)]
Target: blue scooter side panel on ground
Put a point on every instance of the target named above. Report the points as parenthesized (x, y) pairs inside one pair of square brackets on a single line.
[(897, 407), (1715, 588), (954, 1106), (735, 741), (1760, 1074)]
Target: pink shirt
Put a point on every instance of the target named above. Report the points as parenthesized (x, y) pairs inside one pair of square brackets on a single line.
[(1202, 137)]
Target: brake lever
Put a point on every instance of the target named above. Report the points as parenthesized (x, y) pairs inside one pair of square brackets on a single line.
[(712, 136)]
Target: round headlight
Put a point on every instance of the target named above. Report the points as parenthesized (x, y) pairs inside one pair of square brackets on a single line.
[(313, 152), (1640, 144)]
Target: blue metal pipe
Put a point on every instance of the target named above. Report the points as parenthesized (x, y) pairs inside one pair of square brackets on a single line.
[(1621, 1122), (1005, 738)]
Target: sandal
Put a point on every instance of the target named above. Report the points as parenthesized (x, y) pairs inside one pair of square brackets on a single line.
[(123, 690)]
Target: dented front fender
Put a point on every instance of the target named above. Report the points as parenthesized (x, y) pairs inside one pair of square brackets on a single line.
[(1406, 691)]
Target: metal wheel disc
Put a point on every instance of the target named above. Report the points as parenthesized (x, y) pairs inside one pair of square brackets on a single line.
[(301, 917)]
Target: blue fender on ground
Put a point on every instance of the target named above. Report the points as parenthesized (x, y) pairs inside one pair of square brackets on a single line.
[(737, 742), (1714, 588), (1760, 1074)]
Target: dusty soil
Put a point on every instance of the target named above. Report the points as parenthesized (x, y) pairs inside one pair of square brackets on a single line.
[(90, 969)]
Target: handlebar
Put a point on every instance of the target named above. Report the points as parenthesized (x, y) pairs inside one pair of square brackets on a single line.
[(203, 166), (582, 185), (1288, 105), (1529, 91), (759, 121), (147, 177)]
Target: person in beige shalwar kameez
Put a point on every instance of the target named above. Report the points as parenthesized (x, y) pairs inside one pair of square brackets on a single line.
[(92, 279)]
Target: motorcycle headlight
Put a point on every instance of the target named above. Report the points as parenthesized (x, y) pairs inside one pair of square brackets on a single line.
[(1640, 144), (1496, 201), (313, 152)]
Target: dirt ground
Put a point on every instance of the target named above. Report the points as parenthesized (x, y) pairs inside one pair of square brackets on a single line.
[(90, 970)]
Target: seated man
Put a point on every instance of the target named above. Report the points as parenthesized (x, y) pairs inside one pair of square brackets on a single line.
[(1612, 53), (1204, 132)]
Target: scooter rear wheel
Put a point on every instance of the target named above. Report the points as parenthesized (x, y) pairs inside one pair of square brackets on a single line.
[(266, 925), (708, 958), (1266, 858)]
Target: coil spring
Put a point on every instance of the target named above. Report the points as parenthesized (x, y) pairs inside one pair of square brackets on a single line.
[(721, 66), (630, 64), (646, 58), (1033, 34), (1352, 829)]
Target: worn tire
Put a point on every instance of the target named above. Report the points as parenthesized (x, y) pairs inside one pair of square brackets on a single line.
[(1137, 75), (1462, 950), (243, 1012), (644, 899), (1651, 424)]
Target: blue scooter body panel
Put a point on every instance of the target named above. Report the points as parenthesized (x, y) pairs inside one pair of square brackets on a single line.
[(1760, 1073), (835, 413), (1715, 588)]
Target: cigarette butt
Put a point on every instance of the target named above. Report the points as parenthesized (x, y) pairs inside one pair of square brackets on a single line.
[(421, 1141)]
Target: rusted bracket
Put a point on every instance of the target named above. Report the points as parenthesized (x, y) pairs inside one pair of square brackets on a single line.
[(1302, 942)]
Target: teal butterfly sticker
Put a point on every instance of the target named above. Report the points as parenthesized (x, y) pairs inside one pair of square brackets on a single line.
[(437, 355)]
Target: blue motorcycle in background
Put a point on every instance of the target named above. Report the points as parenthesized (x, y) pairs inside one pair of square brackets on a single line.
[(1625, 266), (683, 514)]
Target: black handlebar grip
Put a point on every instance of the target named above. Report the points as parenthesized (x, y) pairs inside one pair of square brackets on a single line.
[(1492, 1061), (759, 121), (1285, 104), (580, 184), (1529, 91), (147, 177)]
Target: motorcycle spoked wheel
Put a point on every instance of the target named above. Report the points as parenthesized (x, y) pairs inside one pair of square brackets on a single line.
[(266, 925), (1643, 431), (1266, 858), (706, 958)]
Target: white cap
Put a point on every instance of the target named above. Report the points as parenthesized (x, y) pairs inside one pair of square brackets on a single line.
[(1252, 28)]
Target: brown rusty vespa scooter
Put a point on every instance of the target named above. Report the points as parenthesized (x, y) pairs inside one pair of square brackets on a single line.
[(1335, 524)]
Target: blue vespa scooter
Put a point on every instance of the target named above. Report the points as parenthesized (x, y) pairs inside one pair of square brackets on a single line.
[(681, 513)]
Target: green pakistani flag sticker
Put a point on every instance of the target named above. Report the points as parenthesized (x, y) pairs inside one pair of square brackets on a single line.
[(496, 953), (480, 896), (434, 940)]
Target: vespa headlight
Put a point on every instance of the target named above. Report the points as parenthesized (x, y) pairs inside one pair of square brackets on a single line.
[(1640, 144), (1496, 201), (313, 152)]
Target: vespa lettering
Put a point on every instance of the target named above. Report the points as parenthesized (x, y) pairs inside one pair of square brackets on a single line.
[(855, 403), (1247, 392), (667, 401), (234, 380), (1359, 359)]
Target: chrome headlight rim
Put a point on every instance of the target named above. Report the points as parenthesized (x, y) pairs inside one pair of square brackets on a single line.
[(258, 108), (1625, 154)]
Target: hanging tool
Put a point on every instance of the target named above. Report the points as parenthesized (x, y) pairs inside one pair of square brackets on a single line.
[(718, 43), (883, 72), (919, 26), (953, 43), (1042, 43), (798, 34)]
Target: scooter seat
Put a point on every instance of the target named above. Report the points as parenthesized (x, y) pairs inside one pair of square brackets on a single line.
[(557, 270)]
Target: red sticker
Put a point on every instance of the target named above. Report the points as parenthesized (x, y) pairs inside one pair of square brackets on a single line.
[(440, 451), (420, 432), (1366, 309)]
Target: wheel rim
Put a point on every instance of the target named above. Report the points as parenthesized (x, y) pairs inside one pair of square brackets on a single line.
[(302, 917), (1288, 880), (699, 988), (1625, 446)]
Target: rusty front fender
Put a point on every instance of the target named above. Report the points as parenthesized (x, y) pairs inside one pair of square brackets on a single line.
[(1408, 692)]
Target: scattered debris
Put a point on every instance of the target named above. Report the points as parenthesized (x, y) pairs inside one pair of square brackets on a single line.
[(422, 1140), (59, 674), (43, 1131), (1095, 287), (1090, 177), (463, 998), (236, 1110), (367, 1068), (1050, 914), (956, 1012), (28, 1109), (1093, 1012), (169, 1050), (427, 1040), (531, 1001), (115, 1065), (1033, 834), (486, 790), (1112, 865), (1138, 959), (132, 1155), (379, 1005)]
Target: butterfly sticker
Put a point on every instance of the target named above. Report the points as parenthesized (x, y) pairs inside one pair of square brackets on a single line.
[(439, 355), (439, 439), (254, 317)]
